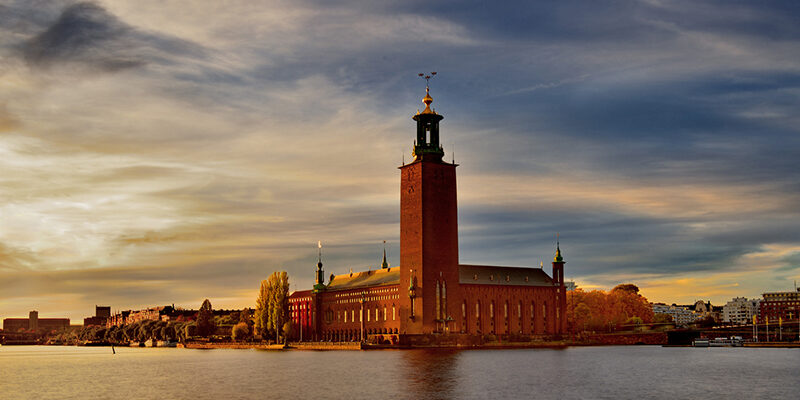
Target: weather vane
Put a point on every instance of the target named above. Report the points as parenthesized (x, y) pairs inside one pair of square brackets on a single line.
[(427, 79)]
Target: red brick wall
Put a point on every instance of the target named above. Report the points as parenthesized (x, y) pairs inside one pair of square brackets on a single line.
[(428, 241), (484, 295)]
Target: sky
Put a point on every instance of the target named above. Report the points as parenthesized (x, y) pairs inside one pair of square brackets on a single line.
[(158, 152)]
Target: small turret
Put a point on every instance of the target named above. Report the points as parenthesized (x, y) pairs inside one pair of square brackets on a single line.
[(558, 266), (320, 279)]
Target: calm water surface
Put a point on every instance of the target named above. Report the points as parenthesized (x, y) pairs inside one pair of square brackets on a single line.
[(52, 372)]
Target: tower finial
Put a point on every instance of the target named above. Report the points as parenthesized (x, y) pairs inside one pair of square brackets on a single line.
[(427, 99), (319, 247)]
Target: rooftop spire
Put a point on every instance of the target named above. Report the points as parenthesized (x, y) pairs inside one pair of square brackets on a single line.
[(384, 264), (558, 257)]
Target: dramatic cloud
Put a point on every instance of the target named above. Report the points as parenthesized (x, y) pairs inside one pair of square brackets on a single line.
[(166, 152)]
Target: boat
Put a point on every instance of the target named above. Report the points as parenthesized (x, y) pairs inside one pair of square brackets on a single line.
[(733, 341)]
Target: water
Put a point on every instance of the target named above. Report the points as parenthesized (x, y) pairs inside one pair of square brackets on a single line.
[(633, 372)]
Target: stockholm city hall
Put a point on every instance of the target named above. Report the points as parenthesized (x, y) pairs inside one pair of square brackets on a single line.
[(430, 296)]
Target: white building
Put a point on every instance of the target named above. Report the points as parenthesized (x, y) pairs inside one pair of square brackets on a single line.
[(740, 310), (680, 315)]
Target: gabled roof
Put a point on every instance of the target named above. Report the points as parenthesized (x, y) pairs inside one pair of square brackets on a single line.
[(500, 276), (378, 277)]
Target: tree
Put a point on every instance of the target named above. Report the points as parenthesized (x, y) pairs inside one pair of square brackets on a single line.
[(627, 287), (240, 331), (205, 320), (272, 305), (262, 310), (662, 318), (287, 330), (279, 304), (244, 316)]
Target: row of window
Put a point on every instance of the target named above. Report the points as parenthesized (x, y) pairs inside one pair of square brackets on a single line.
[(350, 315)]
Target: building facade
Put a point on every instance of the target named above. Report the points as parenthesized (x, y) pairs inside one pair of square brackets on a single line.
[(33, 323), (779, 305), (681, 315), (740, 311), (431, 292)]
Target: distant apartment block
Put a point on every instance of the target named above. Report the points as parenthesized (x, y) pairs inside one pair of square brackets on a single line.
[(681, 315), (161, 313), (785, 305), (34, 323), (740, 310)]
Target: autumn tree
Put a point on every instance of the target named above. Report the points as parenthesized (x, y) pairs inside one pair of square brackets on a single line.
[(597, 310), (240, 332), (272, 305), (205, 320)]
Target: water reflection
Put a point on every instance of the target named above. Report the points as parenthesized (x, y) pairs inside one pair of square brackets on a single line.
[(430, 374)]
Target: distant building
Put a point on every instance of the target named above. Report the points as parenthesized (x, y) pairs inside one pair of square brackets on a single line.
[(34, 323), (740, 310), (785, 305), (160, 313), (101, 316), (681, 315)]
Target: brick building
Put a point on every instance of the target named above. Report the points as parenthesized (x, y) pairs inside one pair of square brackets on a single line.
[(783, 305), (34, 323), (431, 292)]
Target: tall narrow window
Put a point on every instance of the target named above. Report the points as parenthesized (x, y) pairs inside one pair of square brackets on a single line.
[(339, 316), (376, 315), (367, 315), (393, 313), (384, 313), (345, 317), (353, 316), (438, 301), (444, 300), (544, 316), (533, 318)]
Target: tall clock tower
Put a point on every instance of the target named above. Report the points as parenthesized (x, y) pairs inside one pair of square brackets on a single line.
[(429, 294)]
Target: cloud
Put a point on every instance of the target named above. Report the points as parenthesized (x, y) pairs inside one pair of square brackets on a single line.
[(86, 34), (145, 143)]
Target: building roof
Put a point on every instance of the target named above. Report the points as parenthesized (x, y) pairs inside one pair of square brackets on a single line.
[(300, 293), (378, 277), (502, 276)]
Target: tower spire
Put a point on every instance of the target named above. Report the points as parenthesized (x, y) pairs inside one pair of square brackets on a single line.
[(384, 264), (558, 257)]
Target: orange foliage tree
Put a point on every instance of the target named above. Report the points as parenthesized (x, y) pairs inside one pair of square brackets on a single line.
[(598, 310)]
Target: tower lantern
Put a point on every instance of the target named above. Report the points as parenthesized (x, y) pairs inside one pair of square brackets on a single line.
[(427, 145)]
